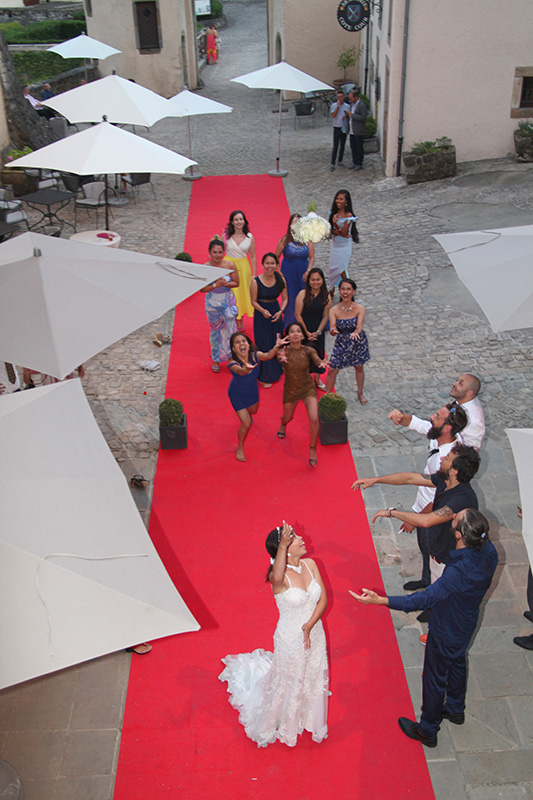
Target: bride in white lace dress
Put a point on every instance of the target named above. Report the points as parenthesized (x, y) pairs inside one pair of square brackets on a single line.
[(281, 694)]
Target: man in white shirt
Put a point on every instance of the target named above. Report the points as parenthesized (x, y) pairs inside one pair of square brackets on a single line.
[(340, 119), (465, 391), (443, 431)]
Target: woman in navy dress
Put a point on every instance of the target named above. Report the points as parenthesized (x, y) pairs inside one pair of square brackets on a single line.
[(351, 345), (297, 261), (312, 311), (243, 391), (265, 290)]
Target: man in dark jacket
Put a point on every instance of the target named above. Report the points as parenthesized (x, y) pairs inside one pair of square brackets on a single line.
[(454, 600), (357, 129)]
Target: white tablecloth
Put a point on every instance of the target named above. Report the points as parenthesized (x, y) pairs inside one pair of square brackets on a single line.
[(91, 237)]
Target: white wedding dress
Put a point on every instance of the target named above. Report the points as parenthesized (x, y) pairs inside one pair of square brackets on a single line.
[(281, 694)]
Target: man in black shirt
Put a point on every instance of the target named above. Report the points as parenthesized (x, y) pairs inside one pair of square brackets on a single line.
[(453, 494)]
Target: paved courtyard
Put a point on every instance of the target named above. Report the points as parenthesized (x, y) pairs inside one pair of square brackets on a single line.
[(62, 732)]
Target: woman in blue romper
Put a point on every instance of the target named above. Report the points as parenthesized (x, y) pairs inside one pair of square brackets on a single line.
[(243, 390)]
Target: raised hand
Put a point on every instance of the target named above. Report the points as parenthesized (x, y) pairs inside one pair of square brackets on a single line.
[(363, 483), (396, 416)]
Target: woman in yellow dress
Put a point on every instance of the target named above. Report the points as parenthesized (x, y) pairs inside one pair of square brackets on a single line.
[(240, 246)]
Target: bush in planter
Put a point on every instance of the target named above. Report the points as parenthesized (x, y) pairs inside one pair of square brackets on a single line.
[(172, 425), (430, 161), (348, 58), (333, 425), (523, 140), (332, 406), (183, 257)]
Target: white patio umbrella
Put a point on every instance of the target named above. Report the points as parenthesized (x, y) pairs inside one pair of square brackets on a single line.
[(62, 301), (522, 445), (187, 104), (80, 576), (84, 46), (104, 149), (119, 100), (496, 267), (284, 77)]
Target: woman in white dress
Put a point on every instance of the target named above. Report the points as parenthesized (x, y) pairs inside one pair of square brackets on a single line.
[(240, 246), (281, 694), (343, 232)]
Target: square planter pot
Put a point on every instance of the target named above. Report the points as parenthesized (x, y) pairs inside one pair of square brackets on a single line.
[(174, 437), (332, 431), (523, 146)]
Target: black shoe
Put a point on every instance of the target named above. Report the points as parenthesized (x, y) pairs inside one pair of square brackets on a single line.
[(424, 616), (524, 641), (457, 719), (412, 586), (353, 166), (528, 615), (410, 729)]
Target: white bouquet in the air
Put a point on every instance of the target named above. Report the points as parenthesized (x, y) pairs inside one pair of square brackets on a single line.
[(311, 228)]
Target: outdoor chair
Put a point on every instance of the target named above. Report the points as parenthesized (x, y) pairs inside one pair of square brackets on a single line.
[(71, 182), (138, 179), (304, 109), (11, 209), (45, 178), (93, 197)]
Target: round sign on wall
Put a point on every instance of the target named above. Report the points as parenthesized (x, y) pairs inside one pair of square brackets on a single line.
[(353, 15)]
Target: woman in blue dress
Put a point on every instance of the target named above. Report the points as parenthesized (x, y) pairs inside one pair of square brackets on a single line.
[(265, 290), (243, 391), (297, 261), (351, 345)]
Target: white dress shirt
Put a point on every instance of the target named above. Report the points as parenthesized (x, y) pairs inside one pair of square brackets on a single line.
[(475, 430), (437, 452)]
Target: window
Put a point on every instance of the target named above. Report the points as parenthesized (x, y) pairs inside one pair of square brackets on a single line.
[(526, 98), (147, 25), (88, 8), (522, 97), (389, 24)]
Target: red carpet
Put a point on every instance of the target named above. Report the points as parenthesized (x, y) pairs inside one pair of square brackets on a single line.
[(210, 517)]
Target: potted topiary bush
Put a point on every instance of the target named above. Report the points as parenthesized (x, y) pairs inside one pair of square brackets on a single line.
[(172, 425), (430, 161), (16, 177), (333, 425), (347, 58), (523, 140)]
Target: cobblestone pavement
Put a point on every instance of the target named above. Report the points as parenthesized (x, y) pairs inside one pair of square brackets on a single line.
[(424, 329)]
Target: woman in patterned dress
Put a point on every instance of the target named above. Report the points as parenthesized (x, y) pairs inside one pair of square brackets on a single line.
[(220, 305), (351, 345)]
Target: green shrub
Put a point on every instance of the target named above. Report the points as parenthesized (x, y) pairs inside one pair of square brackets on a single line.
[(525, 127), (34, 67), (371, 126), (183, 257), (423, 148), (48, 31), (170, 412), (332, 406), (10, 28), (14, 154), (217, 8)]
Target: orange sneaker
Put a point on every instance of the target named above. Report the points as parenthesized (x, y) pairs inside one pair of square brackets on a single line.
[(423, 639)]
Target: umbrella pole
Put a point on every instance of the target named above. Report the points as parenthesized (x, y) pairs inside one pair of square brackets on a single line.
[(278, 173), (106, 205), (190, 176)]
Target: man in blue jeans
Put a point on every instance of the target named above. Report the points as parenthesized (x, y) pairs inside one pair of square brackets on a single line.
[(339, 113), (454, 600)]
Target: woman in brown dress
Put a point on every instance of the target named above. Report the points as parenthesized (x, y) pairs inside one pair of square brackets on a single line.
[(299, 385)]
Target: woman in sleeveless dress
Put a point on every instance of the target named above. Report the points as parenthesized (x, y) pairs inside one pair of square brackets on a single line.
[(351, 345), (220, 305), (311, 310), (281, 694), (296, 360), (297, 261), (240, 246), (243, 392), (343, 232), (265, 291)]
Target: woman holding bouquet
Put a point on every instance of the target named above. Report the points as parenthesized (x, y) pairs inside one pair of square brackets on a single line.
[(343, 232), (298, 259)]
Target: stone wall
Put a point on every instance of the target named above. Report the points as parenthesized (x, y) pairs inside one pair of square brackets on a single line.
[(40, 12)]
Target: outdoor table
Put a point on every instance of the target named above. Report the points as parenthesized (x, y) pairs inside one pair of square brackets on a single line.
[(7, 228), (111, 239), (49, 198)]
